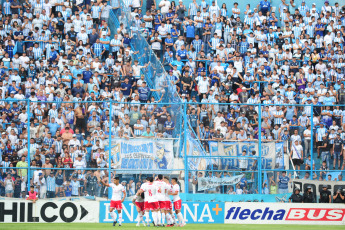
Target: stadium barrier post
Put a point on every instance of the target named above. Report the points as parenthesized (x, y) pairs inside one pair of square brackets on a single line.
[(259, 148), (109, 144), (185, 147), (312, 140), (179, 151), (29, 152)]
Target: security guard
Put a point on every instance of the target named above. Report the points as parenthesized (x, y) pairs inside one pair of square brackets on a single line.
[(339, 196), (325, 195), (296, 197), (308, 196)]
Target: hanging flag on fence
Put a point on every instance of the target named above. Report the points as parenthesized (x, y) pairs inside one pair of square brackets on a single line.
[(213, 182)]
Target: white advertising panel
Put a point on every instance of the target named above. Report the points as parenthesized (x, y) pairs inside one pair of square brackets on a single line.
[(284, 213), (48, 211)]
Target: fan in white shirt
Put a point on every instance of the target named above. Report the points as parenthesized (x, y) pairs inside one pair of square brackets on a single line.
[(74, 142), (79, 163), (164, 5)]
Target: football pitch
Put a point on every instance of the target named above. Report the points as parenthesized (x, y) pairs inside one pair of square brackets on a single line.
[(86, 226)]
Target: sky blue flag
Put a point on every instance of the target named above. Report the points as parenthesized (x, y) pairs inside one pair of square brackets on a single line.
[(15, 49), (265, 178)]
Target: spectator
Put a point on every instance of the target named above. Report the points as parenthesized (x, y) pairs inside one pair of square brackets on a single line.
[(91, 183), (9, 185), (59, 182), (324, 149), (243, 161), (75, 187), (296, 154), (246, 56), (51, 184), (32, 195), (68, 189), (283, 181), (337, 149), (323, 170), (273, 186)]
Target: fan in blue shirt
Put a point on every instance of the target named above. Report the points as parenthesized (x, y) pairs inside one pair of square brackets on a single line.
[(182, 53), (87, 74), (265, 6), (126, 88)]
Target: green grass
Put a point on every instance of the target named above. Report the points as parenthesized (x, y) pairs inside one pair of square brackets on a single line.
[(88, 226)]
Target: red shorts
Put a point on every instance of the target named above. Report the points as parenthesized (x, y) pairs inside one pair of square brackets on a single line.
[(177, 205), (161, 204), (168, 205), (116, 204), (140, 205), (151, 206)]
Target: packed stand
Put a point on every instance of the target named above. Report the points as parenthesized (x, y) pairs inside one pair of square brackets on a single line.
[(222, 54), (53, 56)]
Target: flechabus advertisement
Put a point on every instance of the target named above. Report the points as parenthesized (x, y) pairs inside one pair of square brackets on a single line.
[(284, 213)]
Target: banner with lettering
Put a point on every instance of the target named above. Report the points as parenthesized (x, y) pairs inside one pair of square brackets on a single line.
[(268, 152), (142, 154), (272, 154), (213, 182)]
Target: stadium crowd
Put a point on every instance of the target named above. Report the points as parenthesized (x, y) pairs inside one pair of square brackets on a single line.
[(287, 61), (56, 54)]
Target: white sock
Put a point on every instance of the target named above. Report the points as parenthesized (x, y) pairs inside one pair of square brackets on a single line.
[(174, 218), (159, 217), (147, 216), (120, 217), (169, 219), (142, 218), (112, 214), (180, 218), (163, 218), (139, 217), (154, 217)]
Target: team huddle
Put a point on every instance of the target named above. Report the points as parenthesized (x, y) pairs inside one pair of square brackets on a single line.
[(154, 196)]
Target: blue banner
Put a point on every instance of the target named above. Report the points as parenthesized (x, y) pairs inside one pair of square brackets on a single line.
[(142, 154), (193, 212)]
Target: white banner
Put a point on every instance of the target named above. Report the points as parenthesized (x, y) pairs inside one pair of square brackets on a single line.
[(271, 152), (268, 152), (213, 182), (142, 154), (287, 213), (49, 211)]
